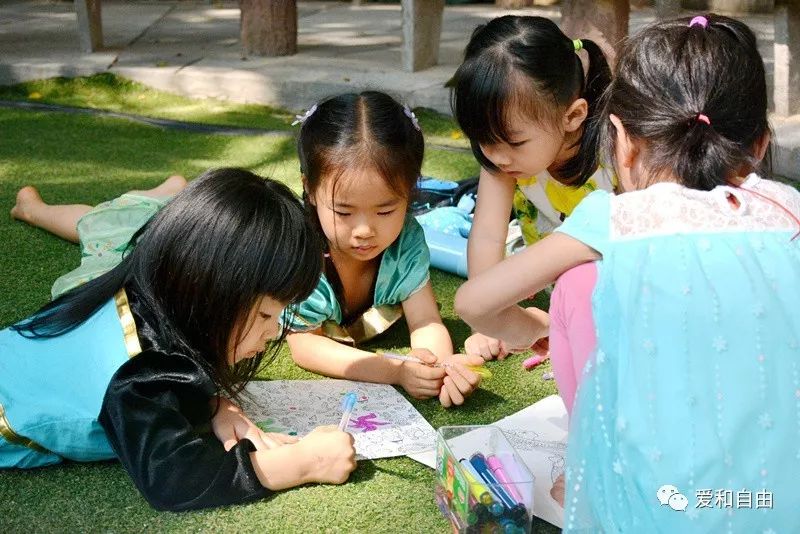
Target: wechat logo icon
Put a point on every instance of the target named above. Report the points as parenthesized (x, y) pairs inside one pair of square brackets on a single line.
[(668, 495)]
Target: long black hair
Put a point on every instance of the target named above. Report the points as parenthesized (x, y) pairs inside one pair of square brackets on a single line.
[(368, 130), (527, 65), (200, 265), (671, 78)]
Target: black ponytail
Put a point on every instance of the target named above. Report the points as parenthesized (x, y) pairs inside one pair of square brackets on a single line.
[(697, 95), (527, 65), (580, 167)]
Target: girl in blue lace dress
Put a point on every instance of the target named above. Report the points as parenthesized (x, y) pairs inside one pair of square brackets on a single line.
[(685, 348)]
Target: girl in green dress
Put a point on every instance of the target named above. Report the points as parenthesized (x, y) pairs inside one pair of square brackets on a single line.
[(360, 157)]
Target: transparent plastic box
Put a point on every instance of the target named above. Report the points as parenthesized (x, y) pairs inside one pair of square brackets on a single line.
[(482, 485)]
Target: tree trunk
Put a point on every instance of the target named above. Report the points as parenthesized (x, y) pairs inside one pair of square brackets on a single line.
[(269, 27), (786, 90), (90, 25), (731, 6), (666, 9), (422, 30), (603, 21)]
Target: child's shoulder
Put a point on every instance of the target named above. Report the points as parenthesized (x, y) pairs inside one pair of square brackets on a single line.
[(778, 191), (411, 237), (672, 208)]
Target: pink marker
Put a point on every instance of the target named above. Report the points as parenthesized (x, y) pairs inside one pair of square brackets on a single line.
[(496, 466), (533, 361), (523, 480)]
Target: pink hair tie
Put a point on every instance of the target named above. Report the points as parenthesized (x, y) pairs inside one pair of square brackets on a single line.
[(703, 118), (701, 20)]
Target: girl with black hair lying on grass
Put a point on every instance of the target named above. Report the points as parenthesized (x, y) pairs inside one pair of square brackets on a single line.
[(132, 364)]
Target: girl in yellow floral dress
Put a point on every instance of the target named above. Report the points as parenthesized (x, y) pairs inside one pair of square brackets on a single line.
[(527, 96)]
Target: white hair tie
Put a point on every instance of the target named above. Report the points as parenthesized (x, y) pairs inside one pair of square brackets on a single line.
[(411, 116), (300, 119)]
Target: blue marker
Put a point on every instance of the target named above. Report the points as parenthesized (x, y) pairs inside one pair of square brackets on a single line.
[(478, 461), (348, 403), (494, 507), (510, 527)]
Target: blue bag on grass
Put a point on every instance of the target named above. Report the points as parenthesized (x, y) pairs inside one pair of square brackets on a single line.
[(444, 209)]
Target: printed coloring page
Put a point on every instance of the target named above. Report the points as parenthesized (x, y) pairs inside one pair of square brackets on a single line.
[(383, 422)]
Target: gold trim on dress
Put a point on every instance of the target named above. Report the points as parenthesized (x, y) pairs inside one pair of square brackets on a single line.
[(12, 437), (128, 324), (373, 322)]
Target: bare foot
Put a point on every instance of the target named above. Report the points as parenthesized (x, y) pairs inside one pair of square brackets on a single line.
[(557, 491), (171, 186), (28, 199), (174, 184)]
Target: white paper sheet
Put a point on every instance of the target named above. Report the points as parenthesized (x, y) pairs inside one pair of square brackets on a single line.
[(539, 435), (383, 423), (425, 457)]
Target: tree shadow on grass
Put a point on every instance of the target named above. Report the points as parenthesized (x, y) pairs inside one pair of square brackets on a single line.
[(59, 148)]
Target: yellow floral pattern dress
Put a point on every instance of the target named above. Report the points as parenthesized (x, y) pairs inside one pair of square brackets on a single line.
[(541, 203)]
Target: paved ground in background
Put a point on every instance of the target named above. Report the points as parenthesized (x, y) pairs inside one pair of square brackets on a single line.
[(192, 48)]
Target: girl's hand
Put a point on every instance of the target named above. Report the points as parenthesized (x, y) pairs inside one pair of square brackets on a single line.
[(486, 347), (419, 380), (540, 315), (460, 382), (557, 491), (542, 345), (539, 345), (230, 425), (270, 440), (329, 453)]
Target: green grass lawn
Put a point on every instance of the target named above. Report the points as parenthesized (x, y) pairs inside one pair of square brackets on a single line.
[(112, 93), (84, 159)]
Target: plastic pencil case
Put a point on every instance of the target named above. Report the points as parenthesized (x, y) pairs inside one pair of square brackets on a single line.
[(482, 485)]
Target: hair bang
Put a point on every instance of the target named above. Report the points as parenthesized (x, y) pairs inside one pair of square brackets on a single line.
[(301, 261), (387, 168), (480, 101), (390, 165)]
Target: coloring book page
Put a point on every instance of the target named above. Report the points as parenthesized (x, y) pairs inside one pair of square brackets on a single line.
[(539, 435), (383, 422)]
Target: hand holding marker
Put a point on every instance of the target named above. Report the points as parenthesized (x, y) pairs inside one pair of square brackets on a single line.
[(483, 372), (348, 403)]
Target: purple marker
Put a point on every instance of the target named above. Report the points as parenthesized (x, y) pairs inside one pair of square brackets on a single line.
[(497, 468)]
